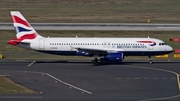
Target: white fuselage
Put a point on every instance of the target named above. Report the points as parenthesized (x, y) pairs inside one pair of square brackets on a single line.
[(129, 46)]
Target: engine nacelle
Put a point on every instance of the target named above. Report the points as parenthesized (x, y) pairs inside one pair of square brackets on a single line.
[(113, 57), (82, 53)]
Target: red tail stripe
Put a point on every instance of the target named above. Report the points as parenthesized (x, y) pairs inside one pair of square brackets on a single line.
[(28, 36), (15, 41), (19, 20)]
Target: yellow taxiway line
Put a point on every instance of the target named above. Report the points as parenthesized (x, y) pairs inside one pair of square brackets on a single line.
[(164, 70), (165, 98)]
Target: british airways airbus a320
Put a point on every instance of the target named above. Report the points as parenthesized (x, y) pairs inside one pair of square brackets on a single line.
[(102, 49)]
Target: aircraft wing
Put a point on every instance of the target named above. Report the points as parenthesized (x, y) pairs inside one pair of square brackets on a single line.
[(96, 51)]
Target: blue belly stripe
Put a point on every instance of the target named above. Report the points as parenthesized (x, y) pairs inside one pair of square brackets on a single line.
[(126, 53)]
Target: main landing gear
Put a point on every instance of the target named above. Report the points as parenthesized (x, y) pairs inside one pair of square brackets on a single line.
[(150, 61), (95, 61)]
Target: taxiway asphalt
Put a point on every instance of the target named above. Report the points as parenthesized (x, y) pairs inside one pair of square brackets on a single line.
[(71, 81)]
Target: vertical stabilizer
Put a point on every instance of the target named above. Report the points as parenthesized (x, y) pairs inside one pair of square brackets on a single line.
[(22, 27)]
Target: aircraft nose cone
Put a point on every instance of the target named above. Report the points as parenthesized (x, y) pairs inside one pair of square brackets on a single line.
[(170, 48)]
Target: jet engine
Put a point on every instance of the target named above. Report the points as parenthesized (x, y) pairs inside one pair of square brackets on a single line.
[(113, 57)]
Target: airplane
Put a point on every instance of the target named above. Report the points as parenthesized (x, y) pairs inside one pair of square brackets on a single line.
[(102, 49)]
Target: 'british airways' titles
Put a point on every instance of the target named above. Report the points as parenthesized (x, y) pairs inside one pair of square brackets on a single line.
[(129, 46)]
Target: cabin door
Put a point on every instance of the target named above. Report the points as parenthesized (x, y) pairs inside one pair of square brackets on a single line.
[(41, 44)]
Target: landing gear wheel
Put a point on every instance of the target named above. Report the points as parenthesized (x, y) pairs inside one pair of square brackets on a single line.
[(94, 62), (150, 61)]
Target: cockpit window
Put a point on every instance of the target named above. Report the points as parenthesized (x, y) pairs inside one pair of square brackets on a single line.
[(161, 44)]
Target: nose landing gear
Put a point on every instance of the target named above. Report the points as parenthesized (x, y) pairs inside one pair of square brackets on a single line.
[(150, 60)]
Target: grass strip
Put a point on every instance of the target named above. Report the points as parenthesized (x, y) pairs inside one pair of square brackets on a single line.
[(7, 86), (132, 11)]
